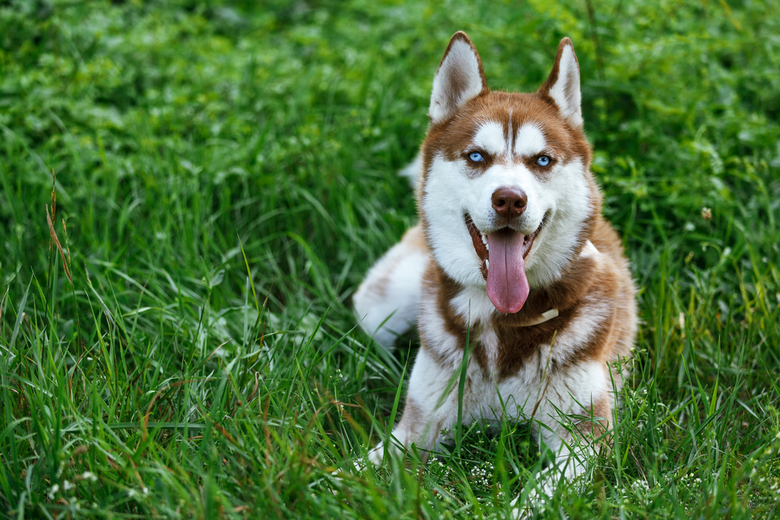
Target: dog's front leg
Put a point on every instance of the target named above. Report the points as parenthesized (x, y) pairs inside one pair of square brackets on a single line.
[(570, 462), (573, 440), (431, 405)]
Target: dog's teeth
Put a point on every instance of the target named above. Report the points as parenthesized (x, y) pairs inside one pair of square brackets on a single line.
[(487, 247), (484, 238), (487, 264)]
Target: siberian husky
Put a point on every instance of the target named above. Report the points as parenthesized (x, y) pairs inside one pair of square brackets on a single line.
[(511, 262)]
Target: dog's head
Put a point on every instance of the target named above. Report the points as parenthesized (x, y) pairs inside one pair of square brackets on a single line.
[(506, 190)]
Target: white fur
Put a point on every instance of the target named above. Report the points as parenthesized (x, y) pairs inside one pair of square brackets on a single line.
[(566, 90), (443, 202), (590, 250), (413, 170), (437, 406), (489, 340), (433, 332), (565, 394), (460, 61), (530, 141), (580, 329), (473, 305), (490, 138), (386, 316)]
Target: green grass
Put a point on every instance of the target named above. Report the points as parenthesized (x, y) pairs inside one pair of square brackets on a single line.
[(225, 175)]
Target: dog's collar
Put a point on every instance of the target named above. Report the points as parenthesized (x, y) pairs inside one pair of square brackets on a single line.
[(545, 316), (588, 250)]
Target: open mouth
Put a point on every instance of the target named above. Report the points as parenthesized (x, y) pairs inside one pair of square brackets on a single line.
[(503, 255)]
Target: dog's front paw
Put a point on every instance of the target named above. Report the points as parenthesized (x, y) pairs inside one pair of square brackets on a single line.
[(521, 511), (376, 455), (534, 502), (395, 447), (359, 465)]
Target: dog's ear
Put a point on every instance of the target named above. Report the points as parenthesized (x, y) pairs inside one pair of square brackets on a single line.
[(458, 79), (563, 84)]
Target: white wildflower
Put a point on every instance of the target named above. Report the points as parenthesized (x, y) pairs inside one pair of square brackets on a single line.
[(88, 475)]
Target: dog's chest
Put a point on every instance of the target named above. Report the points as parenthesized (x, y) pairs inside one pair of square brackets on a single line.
[(519, 390), (488, 342), (504, 355), (513, 360), (498, 347), (490, 388)]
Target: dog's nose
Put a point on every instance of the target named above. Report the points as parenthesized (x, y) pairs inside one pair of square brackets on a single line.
[(509, 202)]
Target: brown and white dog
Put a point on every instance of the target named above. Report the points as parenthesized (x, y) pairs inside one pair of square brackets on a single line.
[(513, 253)]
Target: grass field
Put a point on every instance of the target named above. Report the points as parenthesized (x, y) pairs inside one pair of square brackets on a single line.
[(225, 175)]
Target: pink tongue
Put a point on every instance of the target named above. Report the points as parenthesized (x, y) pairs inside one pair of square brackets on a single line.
[(507, 286)]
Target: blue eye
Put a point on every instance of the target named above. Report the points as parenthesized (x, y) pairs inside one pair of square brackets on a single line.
[(543, 161), (476, 157)]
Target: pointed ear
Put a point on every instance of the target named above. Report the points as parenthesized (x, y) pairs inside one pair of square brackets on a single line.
[(458, 79), (563, 85)]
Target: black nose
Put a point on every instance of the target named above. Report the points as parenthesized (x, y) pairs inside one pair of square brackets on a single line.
[(509, 202)]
